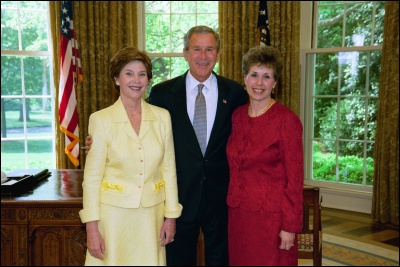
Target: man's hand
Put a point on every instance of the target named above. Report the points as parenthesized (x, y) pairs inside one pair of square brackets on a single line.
[(88, 143)]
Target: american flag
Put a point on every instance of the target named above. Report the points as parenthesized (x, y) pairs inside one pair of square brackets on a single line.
[(70, 76), (263, 24)]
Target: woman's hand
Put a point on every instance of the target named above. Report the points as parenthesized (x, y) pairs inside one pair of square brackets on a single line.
[(168, 231), (95, 242), (287, 240)]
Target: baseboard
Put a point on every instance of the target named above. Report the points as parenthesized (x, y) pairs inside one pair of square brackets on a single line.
[(346, 200)]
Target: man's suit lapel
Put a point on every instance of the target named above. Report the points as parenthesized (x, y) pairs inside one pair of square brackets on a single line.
[(182, 119), (222, 113), (180, 114)]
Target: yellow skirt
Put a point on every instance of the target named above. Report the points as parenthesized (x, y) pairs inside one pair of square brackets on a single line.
[(131, 236)]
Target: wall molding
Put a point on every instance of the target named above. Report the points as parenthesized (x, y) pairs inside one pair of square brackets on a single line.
[(346, 200)]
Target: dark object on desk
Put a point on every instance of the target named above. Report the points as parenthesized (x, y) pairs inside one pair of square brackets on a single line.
[(19, 181)]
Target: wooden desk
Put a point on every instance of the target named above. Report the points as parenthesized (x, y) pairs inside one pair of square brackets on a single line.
[(42, 226)]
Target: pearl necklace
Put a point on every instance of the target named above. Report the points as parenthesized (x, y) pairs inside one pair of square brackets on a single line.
[(262, 112)]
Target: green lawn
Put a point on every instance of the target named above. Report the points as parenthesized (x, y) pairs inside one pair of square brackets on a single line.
[(13, 161), (40, 151), (37, 119)]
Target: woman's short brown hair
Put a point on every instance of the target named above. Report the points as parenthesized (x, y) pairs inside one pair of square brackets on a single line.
[(263, 56), (123, 57)]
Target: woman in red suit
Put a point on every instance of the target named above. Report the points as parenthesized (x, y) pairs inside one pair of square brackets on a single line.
[(265, 153)]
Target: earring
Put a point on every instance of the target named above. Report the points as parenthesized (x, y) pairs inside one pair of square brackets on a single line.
[(273, 89), (117, 83)]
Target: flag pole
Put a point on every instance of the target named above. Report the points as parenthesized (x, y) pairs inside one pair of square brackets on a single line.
[(263, 35)]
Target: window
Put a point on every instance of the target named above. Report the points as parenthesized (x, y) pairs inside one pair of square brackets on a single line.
[(341, 84), (166, 23), (27, 108)]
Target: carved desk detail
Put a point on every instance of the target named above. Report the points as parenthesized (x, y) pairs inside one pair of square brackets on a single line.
[(42, 226)]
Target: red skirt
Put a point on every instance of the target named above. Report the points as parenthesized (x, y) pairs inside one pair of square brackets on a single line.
[(253, 239)]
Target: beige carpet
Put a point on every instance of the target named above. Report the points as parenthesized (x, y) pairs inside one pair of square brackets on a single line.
[(350, 251)]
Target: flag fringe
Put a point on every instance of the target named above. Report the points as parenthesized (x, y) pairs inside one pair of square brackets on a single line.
[(71, 145)]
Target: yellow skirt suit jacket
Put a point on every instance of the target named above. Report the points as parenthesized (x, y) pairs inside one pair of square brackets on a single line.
[(131, 171)]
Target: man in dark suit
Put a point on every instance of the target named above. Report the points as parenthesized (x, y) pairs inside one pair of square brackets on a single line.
[(202, 180)]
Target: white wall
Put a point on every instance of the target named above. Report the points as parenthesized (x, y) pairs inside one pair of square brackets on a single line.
[(346, 200)]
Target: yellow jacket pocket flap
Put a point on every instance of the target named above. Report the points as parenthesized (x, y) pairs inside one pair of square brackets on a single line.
[(107, 186), (159, 185)]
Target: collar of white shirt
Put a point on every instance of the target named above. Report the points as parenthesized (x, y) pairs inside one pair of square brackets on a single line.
[(192, 83)]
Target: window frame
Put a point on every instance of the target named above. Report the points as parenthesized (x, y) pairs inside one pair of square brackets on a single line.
[(309, 19), (141, 9), (51, 96)]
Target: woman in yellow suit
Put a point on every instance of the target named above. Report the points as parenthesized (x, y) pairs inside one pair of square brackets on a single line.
[(130, 195)]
